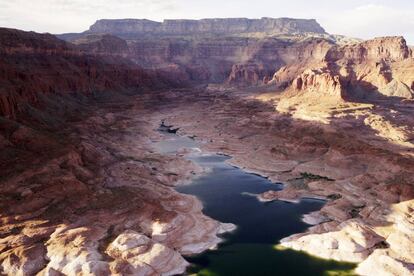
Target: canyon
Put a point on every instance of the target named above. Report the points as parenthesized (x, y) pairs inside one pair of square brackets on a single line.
[(84, 191)]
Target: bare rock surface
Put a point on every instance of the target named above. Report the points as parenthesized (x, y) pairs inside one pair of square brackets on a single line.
[(101, 201), (134, 27), (239, 52), (84, 192), (364, 174), (353, 242)]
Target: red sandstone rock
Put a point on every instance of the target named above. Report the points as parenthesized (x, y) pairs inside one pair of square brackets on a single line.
[(33, 65), (102, 168)]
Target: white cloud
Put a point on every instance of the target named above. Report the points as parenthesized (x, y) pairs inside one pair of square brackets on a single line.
[(357, 18), (371, 20), (57, 16)]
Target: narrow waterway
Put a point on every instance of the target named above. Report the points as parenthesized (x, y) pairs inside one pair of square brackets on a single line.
[(227, 194)]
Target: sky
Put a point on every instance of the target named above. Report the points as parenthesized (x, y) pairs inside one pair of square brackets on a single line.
[(356, 18)]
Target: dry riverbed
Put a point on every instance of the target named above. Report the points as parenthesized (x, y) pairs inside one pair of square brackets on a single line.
[(95, 197), (366, 178)]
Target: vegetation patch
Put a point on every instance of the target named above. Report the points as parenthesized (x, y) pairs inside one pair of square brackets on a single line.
[(354, 212), (382, 245), (298, 184), (310, 176), (334, 196)]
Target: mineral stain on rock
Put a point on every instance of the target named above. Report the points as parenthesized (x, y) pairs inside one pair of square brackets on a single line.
[(250, 249), (83, 191)]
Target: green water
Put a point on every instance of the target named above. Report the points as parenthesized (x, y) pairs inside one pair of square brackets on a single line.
[(227, 194), (263, 259)]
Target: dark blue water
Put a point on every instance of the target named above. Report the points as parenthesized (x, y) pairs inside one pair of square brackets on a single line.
[(227, 194)]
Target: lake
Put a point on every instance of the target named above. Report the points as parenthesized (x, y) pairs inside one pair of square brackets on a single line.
[(228, 195)]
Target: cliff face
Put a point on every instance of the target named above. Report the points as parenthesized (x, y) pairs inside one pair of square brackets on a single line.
[(364, 90), (367, 71), (228, 26), (189, 49), (207, 50), (371, 68), (199, 60), (58, 172), (13, 41), (103, 44), (216, 60), (383, 48), (102, 168), (315, 81), (34, 65)]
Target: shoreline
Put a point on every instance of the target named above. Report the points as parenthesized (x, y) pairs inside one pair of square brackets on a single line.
[(105, 171), (348, 204), (256, 173)]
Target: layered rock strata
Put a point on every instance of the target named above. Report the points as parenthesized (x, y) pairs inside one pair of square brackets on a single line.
[(208, 50), (366, 72), (94, 198), (82, 190), (365, 178), (223, 26), (40, 65)]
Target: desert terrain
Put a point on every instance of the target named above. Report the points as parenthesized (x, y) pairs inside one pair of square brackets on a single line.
[(85, 192)]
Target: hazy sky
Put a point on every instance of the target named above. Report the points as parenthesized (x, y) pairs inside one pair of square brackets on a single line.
[(357, 18)]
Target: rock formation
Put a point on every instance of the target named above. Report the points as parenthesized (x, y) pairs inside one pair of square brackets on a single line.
[(365, 178), (84, 192), (208, 50), (35, 65), (92, 197), (73, 203), (365, 72), (224, 26)]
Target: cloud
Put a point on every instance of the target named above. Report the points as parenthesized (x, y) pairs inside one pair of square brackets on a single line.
[(372, 20), (57, 16), (356, 18)]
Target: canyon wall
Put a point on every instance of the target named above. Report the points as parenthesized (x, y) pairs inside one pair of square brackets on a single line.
[(212, 60), (370, 71), (225, 52), (356, 152), (224, 26), (82, 190), (33, 65), (238, 51), (361, 71)]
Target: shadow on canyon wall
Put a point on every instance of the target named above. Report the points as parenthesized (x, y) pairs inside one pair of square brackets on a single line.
[(75, 158)]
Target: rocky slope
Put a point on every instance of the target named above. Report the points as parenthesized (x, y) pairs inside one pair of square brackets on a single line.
[(92, 197), (76, 146), (236, 61), (82, 191), (37, 65), (363, 90), (244, 52), (367, 71), (365, 178)]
